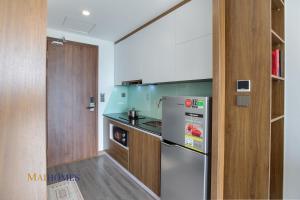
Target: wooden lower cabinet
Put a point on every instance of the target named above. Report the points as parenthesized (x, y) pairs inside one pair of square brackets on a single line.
[(141, 159), (119, 153), (151, 163), (144, 159), (136, 153), (115, 150)]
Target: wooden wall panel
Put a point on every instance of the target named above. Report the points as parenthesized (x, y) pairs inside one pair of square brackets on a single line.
[(247, 136), (22, 98), (218, 116)]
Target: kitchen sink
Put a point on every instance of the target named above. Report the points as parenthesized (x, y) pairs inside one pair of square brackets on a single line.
[(156, 124)]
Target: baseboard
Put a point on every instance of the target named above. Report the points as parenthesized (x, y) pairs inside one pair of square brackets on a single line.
[(98, 153), (132, 177)]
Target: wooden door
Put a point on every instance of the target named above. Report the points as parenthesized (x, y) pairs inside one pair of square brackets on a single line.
[(71, 81)]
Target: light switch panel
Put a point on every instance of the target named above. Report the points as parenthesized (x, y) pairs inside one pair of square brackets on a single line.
[(102, 97), (243, 101)]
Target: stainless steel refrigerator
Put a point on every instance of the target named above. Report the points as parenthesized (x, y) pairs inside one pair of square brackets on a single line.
[(185, 147)]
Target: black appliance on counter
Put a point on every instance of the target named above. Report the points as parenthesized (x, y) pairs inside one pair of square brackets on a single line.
[(120, 135), (132, 120)]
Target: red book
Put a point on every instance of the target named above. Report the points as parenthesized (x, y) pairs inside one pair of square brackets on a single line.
[(276, 62), (273, 63)]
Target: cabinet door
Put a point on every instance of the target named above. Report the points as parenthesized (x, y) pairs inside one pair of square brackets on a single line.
[(194, 59), (158, 45), (193, 49), (144, 159), (193, 20), (135, 153), (128, 57), (121, 63), (151, 163), (118, 153)]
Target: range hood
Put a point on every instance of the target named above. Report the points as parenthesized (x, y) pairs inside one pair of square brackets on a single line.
[(132, 82)]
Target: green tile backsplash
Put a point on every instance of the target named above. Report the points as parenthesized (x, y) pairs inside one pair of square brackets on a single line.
[(116, 103), (145, 98)]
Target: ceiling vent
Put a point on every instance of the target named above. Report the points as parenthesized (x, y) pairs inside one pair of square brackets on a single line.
[(77, 25)]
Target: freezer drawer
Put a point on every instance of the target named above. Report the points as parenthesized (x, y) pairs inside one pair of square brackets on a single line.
[(184, 173)]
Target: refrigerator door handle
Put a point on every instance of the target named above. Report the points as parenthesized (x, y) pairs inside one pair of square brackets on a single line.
[(168, 144), (173, 145)]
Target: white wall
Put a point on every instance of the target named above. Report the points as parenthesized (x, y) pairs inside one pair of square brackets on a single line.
[(106, 70), (292, 121)]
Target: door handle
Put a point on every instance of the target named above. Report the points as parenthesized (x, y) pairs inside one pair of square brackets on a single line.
[(169, 144), (92, 104)]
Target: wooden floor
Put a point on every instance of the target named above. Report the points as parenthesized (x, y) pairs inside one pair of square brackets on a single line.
[(101, 179)]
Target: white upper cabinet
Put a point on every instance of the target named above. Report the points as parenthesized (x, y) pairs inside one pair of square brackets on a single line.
[(193, 20), (128, 63), (193, 49), (177, 47), (193, 59), (159, 51)]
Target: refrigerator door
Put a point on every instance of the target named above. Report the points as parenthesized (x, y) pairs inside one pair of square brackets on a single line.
[(185, 121), (183, 174)]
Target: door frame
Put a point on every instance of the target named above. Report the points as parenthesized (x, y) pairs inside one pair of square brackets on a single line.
[(97, 95)]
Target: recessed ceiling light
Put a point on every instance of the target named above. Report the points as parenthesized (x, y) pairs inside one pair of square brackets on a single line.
[(86, 12)]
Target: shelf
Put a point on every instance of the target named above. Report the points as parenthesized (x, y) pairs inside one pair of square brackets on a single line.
[(277, 78), (277, 102), (278, 21), (276, 39), (277, 155), (277, 98), (277, 4), (275, 119)]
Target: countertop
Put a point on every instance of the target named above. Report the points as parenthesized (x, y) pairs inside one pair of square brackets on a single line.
[(139, 124)]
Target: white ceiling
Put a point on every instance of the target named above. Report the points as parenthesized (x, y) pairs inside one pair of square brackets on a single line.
[(109, 19)]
